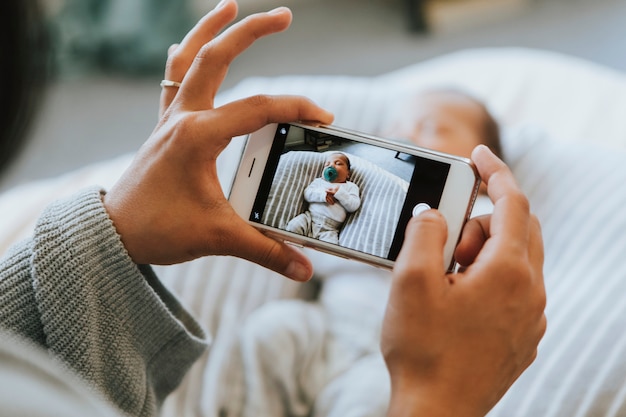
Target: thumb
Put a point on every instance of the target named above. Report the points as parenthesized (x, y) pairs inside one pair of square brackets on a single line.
[(272, 254), (421, 257)]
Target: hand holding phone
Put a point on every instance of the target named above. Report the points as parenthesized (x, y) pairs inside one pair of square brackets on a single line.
[(168, 206), (363, 208), (484, 320)]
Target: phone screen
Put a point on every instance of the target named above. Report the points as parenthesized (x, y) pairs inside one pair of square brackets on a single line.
[(344, 192)]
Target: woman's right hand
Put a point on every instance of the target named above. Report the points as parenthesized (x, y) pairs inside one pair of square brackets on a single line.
[(454, 343)]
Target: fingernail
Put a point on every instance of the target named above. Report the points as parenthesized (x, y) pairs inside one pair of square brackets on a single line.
[(278, 10), (483, 148), (298, 271), (221, 4)]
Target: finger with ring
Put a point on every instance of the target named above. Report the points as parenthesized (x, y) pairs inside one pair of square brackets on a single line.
[(170, 83)]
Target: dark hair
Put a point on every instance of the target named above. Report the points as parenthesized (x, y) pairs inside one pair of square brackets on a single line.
[(491, 130), (24, 45)]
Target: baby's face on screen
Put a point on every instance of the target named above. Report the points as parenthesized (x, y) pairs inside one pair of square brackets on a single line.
[(341, 164)]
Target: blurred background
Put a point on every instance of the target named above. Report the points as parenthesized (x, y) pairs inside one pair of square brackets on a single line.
[(109, 56)]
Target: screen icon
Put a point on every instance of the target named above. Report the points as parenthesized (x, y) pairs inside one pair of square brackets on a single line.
[(418, 209)]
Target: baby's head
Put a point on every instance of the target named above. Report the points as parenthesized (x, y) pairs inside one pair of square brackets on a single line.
[(337, 168), (447, 120)]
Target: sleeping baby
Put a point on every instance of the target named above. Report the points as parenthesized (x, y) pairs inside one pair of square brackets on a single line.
[(330, 197)]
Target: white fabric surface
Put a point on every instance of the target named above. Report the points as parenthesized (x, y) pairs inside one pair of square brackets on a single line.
[(565, 144)]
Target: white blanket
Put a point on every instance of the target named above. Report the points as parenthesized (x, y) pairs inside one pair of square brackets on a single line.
[(565, 142)]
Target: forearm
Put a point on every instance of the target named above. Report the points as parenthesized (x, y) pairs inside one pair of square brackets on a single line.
[(19, 311), (108, 319)]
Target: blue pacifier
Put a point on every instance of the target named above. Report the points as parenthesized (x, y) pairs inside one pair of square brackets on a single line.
[(330, 173)]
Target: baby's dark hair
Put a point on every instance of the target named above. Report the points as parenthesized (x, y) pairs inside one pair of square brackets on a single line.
[(491, 127)]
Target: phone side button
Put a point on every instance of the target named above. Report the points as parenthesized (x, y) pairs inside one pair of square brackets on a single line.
[(297, 245)]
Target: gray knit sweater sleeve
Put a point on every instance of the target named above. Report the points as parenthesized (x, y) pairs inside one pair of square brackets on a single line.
[(73, 290)]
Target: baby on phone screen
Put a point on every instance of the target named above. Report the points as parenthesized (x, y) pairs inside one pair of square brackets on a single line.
[(331, 197)]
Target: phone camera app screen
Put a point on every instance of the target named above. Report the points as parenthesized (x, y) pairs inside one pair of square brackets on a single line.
[(336, 190)]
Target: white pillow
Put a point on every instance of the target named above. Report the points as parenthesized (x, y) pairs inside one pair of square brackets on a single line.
[(578, 191), (575, 188)]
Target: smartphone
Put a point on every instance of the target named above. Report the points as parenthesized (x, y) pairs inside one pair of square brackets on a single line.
[(348, 193)]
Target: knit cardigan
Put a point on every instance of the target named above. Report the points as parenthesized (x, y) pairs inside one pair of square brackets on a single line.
[(73, 290)]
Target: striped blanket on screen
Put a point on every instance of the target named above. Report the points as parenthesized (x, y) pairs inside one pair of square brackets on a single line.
[(370, 229)]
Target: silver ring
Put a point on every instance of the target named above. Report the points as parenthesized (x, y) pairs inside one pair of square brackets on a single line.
[(168, 83)]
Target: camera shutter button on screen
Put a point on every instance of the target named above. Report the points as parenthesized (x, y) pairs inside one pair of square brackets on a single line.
[(421, 207)]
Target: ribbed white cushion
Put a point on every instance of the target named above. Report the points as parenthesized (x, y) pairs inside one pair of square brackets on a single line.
[(577, 189)]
